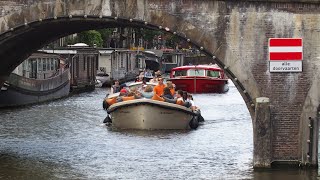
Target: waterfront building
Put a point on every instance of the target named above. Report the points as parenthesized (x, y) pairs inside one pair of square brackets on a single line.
[(84, 65)]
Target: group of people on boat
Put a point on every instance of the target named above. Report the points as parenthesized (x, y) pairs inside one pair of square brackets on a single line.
[(147, 75), (161, 91)]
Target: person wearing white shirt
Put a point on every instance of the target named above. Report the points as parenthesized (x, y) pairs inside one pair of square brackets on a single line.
[(190, 99)]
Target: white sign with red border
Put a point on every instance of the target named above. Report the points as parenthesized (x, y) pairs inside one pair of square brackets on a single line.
[(285, 54)]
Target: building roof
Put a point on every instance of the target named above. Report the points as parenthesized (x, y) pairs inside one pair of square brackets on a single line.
[(79, 45), (59, 51)]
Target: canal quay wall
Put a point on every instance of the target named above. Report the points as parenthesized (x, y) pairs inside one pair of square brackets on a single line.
[(234, 33)]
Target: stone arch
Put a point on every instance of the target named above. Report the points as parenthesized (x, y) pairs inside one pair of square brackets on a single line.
[(46, 17)]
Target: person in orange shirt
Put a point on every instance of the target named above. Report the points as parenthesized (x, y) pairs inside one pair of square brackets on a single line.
[(158, 89)]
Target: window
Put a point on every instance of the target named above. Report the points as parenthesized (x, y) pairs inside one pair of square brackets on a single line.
[(121, 63), (84, 58), (211, 73), (44, 65), (169, 59), (180, 73), (51, 63), (129, 62), (39, 68), (48, 64), (196, 72)]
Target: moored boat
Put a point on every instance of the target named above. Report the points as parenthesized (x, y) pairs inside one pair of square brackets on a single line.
[(200, 79), (38, 79)]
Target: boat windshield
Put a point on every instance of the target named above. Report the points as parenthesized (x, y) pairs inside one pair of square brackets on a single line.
[(211, 73), (196, 72), (180, 73)]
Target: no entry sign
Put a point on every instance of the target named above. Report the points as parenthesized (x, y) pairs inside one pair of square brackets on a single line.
[(285, 54)]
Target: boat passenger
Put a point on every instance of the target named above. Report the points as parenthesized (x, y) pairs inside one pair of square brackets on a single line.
[(184, 95), (116, 87), (171, 86), (179, 95), (138, 95), (148, 74), (158, 89), (123, 92), (154, 80), (148, 92), (190, 99), (140, 78), (135, 92), (157, 73), (167, 93)]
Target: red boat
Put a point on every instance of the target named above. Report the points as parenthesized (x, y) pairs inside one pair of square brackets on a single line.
[(200, 79)]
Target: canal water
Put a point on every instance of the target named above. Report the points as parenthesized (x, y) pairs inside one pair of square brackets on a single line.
[(66, 139)]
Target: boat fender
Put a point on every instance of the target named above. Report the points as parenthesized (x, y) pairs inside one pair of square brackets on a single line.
[(128, 98), (200, 118), (174, 101), (194, 123), (157, 98), (107, 119), (105, 105)]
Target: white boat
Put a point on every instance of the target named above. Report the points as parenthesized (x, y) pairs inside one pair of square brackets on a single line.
[(151, 114)]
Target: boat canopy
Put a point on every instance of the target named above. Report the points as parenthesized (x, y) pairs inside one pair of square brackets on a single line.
[(209, 71)]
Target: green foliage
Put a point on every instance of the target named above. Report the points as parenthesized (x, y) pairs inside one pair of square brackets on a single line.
[(105, 35), (148, 34), (91, 37), (71, 40), (172, 40)]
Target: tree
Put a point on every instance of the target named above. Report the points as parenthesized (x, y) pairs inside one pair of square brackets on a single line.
[(91, 37), (105, 35), (172, 40)]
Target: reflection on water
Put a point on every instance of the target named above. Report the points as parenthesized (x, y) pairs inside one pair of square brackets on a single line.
[(66, 139), (14, 167)]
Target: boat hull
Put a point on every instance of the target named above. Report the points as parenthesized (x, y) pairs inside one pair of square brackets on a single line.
[(201, 85), (149, 114), (24, 91)]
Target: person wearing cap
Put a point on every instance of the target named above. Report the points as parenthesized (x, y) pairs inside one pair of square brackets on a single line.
[(158, 89), (123, 92)]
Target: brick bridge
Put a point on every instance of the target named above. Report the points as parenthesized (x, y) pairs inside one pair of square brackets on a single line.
[(234, 33)]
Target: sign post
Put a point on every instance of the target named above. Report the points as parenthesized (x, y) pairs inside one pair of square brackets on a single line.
[(285, 54)]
